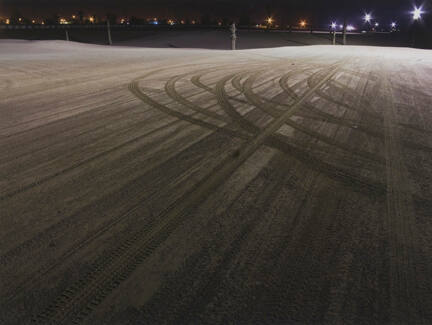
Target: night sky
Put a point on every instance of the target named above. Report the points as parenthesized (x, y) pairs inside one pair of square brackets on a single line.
[(319, 11)]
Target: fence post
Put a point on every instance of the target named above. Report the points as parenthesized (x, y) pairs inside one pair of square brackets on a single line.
[(67, 35)]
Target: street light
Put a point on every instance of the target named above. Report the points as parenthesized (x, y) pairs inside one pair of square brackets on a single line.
[(417, 13), (367, 18), (303, 23), (333, 25), (376, 24), (269, 20), (393, 25)]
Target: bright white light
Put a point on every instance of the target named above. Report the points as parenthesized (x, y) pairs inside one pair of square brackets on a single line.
[(340, 26), (350, 28), (367, 18), (333, 25), (417, 13), (376, 24), (393, 25)]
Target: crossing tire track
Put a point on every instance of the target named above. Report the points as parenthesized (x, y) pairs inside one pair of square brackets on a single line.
[(172, 93), (109, 271), (59, 228), (271, 109), (355, 182)]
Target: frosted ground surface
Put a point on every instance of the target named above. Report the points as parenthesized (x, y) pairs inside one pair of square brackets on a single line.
[(196, 186)]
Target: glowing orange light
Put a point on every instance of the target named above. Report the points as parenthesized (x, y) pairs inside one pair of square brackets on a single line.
[(7, 21), (303, 23), (91, 19), (270, 20)]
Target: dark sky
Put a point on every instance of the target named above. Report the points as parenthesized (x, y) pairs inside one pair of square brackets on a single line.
[(318, 10)]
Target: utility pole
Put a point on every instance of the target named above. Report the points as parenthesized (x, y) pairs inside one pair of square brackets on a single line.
[(67, 35), (233, 36), (109, 32), (334, 37)]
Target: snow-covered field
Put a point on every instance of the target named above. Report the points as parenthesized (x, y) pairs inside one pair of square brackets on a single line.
[(282, 185)]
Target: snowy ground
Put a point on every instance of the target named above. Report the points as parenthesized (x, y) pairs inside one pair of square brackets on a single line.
[(194, 186)]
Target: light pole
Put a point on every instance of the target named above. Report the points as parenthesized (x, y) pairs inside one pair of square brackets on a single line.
[(333, 27), (233, 36), (109, 32), (417, 16), (344, 38), (367, 19)]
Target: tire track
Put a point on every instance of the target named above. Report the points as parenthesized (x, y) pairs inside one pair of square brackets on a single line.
[(109, 271), (223, 101), (96, 110), (99, 95), (173, 94), (113, 118), (64, 224), (75, 166), (5, 258), (200, 277), (270, 108), (6, 84), (400, 220), (206, 293), (57, 229), (195, 283), (355, 182), (372, 115)]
